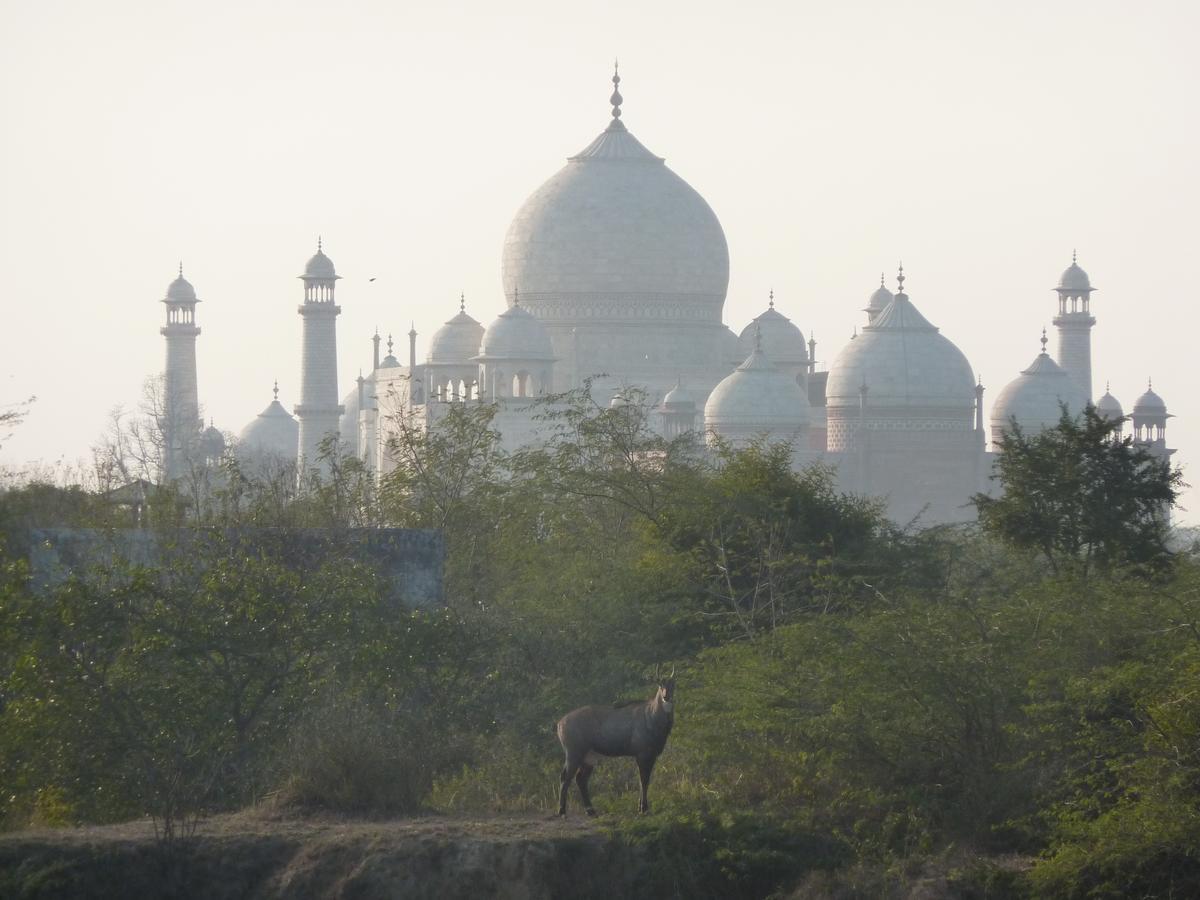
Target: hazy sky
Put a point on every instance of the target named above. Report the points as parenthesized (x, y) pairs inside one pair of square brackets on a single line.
[(977, 142)]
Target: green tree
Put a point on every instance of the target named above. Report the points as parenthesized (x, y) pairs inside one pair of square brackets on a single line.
[(1081, 496)]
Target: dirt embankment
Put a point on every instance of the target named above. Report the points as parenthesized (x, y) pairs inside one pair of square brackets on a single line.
[(253, 856)]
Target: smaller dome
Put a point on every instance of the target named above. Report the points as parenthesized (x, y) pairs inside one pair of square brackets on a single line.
[(274, 431), (389, 362), (181, 290), (1035, 398), (1149, 404), (1109, 407), (212, 442), (457, 341), (757, 398), (1074, 279), (782, 342), (677, 397), (880, 299), (320, 266), (516, 334)]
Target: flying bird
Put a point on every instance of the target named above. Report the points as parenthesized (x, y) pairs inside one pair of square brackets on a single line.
[(370, 279)]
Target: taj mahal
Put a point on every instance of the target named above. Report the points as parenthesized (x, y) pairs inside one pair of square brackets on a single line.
[(614, 274)]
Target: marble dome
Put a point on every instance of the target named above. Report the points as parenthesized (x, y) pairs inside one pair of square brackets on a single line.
[(457, 341), (1109, 406), (879, 300), (181, 290), (319, 266), (1035, 398), (1074, 279), (782, 341), (614, 235), (516, 334), (1149, 404), (273, 432), (756, 397), (906, 364)]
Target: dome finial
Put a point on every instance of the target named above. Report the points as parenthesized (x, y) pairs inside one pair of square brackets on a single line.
[(1107, 386), (900, 280), (1043, 341), (882, 283), (771, 301), (389, 345), (181, 268), (319, 250), (276, 389), (462, 301), (1072, 256), (616, 97)]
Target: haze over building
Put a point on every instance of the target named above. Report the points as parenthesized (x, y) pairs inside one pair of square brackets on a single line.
[(615, 273)]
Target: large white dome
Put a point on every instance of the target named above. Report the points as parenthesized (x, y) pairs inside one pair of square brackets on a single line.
[(905, 364), (616, 235), (1035, 398)]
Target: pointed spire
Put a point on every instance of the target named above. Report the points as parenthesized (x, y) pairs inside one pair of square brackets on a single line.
[(771, 301), (412, 331), (276, 389), (616, 99), (1044, 341)]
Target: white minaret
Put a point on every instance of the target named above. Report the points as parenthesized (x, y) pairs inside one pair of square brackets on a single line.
[(318, 409), (1074, 323), (180, 402)]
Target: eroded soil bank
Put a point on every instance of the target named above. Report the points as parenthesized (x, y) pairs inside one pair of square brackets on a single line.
[(252, 856)]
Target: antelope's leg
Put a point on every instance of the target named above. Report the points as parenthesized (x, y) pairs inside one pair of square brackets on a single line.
[(564, 782), (645, 767), (581, 779)]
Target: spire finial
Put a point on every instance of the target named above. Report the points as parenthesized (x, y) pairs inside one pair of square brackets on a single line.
[(882, 282), (389, 345), (1072, 256), (1149, 383), (771, 301), (462, 301), (276, 389), (319, 250), (900, 280), (616, 97), (1043, 341), (181, 268), (1107, 386), (412, 328)]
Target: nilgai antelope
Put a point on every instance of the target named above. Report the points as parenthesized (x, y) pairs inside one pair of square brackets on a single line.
[(632, 729)]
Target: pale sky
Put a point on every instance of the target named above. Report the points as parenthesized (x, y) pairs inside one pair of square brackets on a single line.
[(977, 142)]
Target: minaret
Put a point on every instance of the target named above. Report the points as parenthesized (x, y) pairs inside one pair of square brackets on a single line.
[(1074, 323), (318, 409), (181, 422)]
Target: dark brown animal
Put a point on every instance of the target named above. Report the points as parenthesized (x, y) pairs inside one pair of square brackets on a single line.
[(632, 729)]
